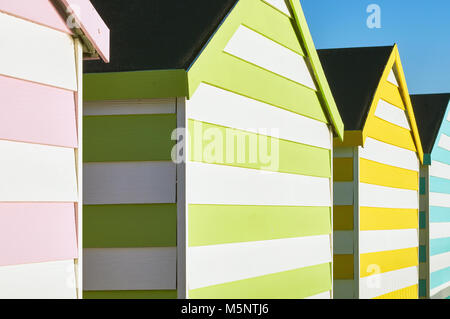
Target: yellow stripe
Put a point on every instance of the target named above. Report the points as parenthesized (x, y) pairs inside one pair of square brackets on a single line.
[(411, 292), (390, 93), (384, 131), (343, 169), (385, 175), (351, 138), (343, 218), (343, 267), (374, 218), (388, 260)]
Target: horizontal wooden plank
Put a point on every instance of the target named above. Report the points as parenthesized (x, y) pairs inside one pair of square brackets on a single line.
[(382, 284), (440, 292), (129, 268), (343, 169), (391, 94), (385, 175), (386, 261), (439, 214), (439, 199), (444, 142), (382, 240), (221, 224), (118, 138), (257, 49), (49, 280), (35, 113), (439, 246), (343, 217), (392, 78), (280, 5), (129, 183), (275, 121), (439, 169), (120, 226), (390, 133), (378, 218), (214, 144), (387, 197), (37, 53), (226, 185), (384, 153), (218, 264), (128, 107), (37, 232), (410, 292), (392, 114), (439, 230), (441, 261), (293, 284), (37, 173)]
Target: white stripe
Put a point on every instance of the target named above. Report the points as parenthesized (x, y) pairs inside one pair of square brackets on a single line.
[(218, 264), (129, 183), (343, 289), (37, 173), (343, 242), (384, 283), (221, 184), (217, 106), (48, 280), (343, 152), (392, 78), (392, 114), (438, 262), (389, 154), (125, 107), (129, 268), (439, 169), (343, 193), (387, 197), (259, 50), (440, 230), (36, 53), (440, 200), (436, 290), (444, 142), (280, 5), (323, 295), (383, 240)]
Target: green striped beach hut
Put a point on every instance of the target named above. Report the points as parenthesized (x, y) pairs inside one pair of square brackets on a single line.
[(208, 154)]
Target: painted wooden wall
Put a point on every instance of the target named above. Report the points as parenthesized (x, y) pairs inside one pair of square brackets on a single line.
[(130, 210), (257, 226), (382, 256), (40, 83), (435, 252)]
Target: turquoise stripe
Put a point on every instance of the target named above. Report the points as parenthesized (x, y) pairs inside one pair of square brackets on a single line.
[(422, 254), (439, 214), (422, 220), (439, 277), (439, 246), (422, 288), (439, 185), (422, 186), (441, 155)]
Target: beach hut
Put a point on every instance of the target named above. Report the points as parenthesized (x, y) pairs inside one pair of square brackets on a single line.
[(376, 175), (42, 46), (240, 207), (433, 119)]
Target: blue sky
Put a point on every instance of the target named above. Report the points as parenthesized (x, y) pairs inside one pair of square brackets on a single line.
[(421, 28)]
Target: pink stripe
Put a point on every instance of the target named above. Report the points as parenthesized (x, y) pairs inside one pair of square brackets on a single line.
[(39, 11), (30, 112), (92, 25), (36, 232)]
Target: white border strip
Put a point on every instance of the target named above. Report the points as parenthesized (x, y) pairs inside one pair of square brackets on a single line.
[(384, 240), (440, 230), (438, 169), (152, 268), (129, 107), (444, 142), (440, 200), (213, 105), (387, 197), (392, 114), (218, 264)]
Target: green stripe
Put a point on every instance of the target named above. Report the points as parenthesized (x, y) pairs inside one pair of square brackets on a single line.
[(291, 157), (131, 294), (294, 284), (128, 137), (134, 85), (121, 226), (222, 224), (222, 70)]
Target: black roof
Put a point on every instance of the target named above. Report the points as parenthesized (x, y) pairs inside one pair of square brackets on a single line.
[(353, 75), (429, 110), (157, 34)]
